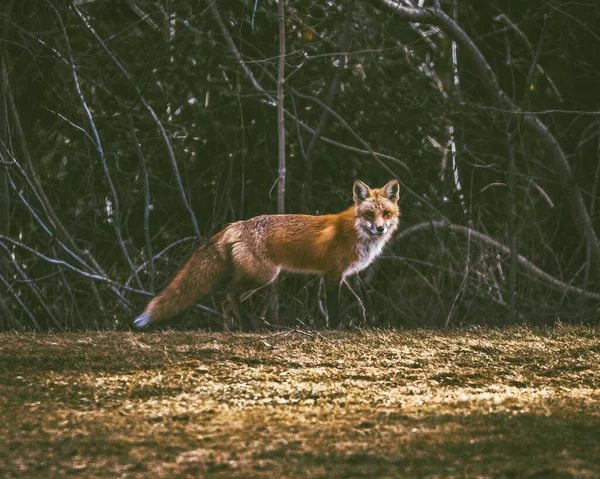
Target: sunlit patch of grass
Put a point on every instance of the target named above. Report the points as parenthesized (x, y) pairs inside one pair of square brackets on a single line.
[(513, 402)]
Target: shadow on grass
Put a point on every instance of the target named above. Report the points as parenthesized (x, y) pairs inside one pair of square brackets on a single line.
[(365, 443)]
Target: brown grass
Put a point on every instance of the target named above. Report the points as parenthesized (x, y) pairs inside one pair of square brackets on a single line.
[(513, 402)]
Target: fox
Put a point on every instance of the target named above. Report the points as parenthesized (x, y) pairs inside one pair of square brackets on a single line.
[(249, 254)]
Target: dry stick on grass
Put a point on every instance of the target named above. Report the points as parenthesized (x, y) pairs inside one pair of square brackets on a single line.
[(159, 124), (554, 152), (310, 331), (537, 272), (287, 332)]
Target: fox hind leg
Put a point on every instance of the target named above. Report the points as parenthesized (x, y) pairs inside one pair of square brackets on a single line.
[(232, 307), (240, 288)]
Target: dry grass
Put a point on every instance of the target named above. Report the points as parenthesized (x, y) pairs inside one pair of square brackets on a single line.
[(512, 402)]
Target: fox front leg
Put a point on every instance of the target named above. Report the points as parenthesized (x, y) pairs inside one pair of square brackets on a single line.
[(332, 293)]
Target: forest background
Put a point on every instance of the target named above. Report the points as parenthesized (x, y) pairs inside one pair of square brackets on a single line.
[(133, 130)]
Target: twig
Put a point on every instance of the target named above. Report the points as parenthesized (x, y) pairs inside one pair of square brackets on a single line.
[(36, 186), (553, 150), (32, 286), (346, 125), (534, 62), (18, 300), (117, 219), (378, 156), (158, 255), (512, 223), (538, 272), (6, 315), (159, 124), (360, 303), (280, 115), (69, 290), (331, 95), (312, 331), (138, 149), (588, 253), (43, 225)]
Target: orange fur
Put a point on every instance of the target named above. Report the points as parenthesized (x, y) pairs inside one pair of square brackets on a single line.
[(251, 253)]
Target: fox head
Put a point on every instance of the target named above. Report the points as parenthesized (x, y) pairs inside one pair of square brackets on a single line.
[(377, 209)]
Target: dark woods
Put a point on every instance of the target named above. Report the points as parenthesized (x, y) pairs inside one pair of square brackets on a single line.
[(131, 131)]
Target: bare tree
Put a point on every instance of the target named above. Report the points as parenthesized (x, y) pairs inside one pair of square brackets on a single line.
[(501, 101)]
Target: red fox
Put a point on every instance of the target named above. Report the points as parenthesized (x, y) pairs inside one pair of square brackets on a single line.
[(250, 254)]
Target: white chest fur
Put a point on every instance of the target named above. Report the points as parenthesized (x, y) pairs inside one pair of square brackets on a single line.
[(368, 249)]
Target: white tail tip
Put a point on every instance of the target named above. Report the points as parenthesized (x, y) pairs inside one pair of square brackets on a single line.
[(142, 320)]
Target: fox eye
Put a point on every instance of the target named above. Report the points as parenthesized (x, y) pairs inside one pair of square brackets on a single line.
[(386, 213)]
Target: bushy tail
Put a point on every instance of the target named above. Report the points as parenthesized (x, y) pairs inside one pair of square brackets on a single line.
[(196, 279)]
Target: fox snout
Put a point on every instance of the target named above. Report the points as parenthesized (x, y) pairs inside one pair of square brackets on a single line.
[(376, 229)]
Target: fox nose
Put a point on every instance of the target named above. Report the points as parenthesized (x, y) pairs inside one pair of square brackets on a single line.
[(380, 229)]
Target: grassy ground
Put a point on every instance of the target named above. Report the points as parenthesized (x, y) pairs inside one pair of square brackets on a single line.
[(510, 402)]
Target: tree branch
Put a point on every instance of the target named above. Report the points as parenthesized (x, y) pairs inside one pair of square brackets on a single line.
[(553, 150), (482, 238), (159, 124), (331, 95), (98, 144), (280, 115)]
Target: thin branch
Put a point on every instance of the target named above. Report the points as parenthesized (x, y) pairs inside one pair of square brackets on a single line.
[(331, 95), (32, 286), (6, 315), (280, 115), (512, 221), (159, 124), (532, 268), (138, 149), (69, 290), (553, 150), (535, 61), (36, 186), (346, 125), (15, 295), (158, 255), (43, 225), (378, 156), (117, 217)]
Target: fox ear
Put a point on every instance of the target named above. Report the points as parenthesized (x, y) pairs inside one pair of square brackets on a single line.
[(360, 191), (392, 190)]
